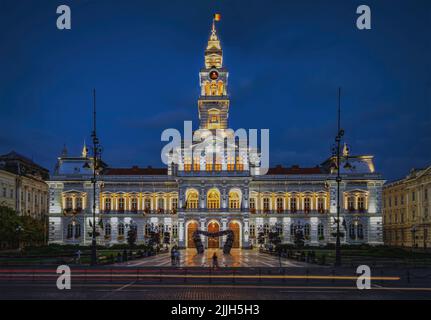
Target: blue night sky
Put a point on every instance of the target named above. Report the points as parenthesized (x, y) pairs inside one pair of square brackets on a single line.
[(286, 60)]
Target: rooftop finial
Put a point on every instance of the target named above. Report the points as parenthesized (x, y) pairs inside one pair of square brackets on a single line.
[(84, 150), (64, 151)]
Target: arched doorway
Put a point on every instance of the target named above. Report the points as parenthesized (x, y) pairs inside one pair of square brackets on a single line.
[(213, 227), (235, 227), (191, 228)]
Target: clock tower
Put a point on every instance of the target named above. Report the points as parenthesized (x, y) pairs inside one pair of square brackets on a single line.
[(213, 102)]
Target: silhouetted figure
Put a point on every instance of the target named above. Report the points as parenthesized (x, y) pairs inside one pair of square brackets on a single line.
[(215, 260)]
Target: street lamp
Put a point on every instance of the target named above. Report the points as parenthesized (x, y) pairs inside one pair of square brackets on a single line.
[(97, 166), (340, 134), (19, 229)]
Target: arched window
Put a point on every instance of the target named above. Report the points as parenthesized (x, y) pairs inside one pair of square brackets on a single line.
[(121, 229), (121, 204), (352, 233), (108, 230), (321, 231), (213, 201), (70, 231), (192, 200), (233, 200), (77, 231), (360, 230)]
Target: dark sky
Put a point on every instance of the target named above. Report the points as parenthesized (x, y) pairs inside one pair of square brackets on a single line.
[(286, 60)]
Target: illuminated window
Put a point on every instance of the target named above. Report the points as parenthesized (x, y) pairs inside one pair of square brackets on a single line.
[(196, 166), (147, 204), (233, 200), (280, 206), (252, 231), (187, 167), (209, 166), (192, 201), (69, 203), (351, 203), (307, 205), (265, 204), (134, 204), (174, 203), (293, 204), (253, 203), (239, 164), (161, 204), (213, 201), (121, 204), (107, 204), (321, 205), (361, 203)]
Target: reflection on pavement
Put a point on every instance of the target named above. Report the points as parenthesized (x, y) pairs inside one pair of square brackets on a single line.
[(237, 258)]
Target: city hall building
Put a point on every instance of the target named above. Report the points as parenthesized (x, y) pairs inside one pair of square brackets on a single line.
[(215, 191)]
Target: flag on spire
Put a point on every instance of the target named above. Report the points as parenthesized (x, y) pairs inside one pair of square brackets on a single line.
[(217, 17)]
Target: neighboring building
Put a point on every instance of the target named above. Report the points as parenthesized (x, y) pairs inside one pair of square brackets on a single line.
[(22, 185), (215, 191), (407, 205)]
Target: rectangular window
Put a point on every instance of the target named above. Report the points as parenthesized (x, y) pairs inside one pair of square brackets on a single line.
[(293, 204), (252, 203), (266, 204), (320, 205), (307, 205)]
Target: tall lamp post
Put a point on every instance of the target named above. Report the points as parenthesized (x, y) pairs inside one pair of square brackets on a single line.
[(97, 165), (340, 134)]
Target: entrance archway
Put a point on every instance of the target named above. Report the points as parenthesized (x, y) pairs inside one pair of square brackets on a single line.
[(236, 228), (191, 228), (213, 243)]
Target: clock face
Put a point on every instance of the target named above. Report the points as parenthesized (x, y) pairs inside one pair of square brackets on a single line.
[(213, 75)]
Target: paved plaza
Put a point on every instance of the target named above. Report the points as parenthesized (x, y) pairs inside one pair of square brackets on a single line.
[(237, 258)]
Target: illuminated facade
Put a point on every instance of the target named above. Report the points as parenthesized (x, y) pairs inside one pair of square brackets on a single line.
[(216, 190), (22, 185), (407, 210)]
